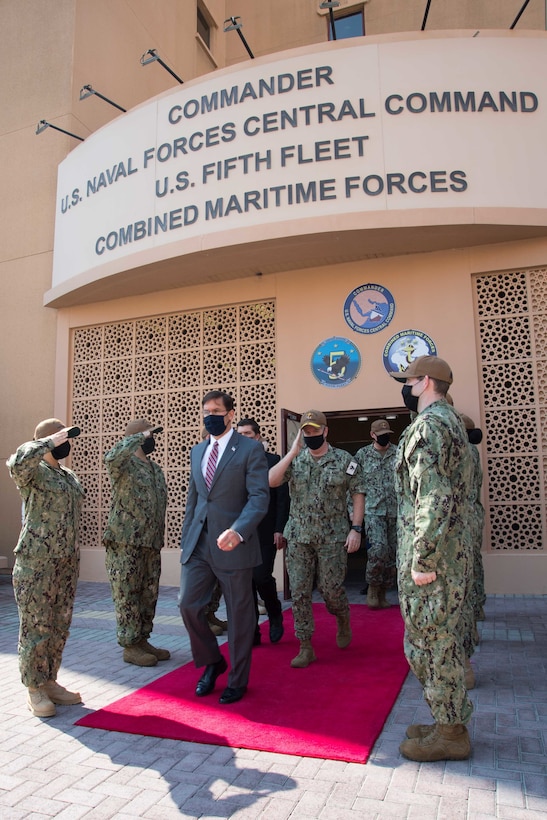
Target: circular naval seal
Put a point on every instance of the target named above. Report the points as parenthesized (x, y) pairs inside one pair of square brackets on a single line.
[(335, 362), (369, 308), (406, 346)]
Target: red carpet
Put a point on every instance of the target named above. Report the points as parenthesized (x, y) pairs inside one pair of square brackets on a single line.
[(334, 709)]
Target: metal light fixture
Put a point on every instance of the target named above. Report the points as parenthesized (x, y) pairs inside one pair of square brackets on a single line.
[(426, 13), (517, 18), (87, 91), (152, 56), (235, 26), (43, 124), (330, 5)]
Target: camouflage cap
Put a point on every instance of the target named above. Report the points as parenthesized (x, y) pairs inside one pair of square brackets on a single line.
[(432, 366), (315, 418), (46, 428), (137, 426), (380, 426), (468, 422)]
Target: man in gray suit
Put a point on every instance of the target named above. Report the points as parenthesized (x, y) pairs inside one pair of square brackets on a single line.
[(228, 496)]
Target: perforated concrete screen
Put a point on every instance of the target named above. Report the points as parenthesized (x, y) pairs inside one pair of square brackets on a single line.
[(512, 324), (159, 368)]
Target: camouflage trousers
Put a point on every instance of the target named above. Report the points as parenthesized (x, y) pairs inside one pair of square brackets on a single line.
[(326, 564), (44, 592), (381, 533), (475, 597), (134, 575), (434, 624), (479, 594), (214, 603)]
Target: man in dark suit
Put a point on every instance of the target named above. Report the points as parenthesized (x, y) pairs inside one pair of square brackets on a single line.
[(270, 534), (228, 496)]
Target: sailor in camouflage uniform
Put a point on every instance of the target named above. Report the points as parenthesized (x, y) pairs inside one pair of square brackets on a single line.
[(133, 540), (433, 477), (47, 559), (377, 463), (478, 596), (319, 535)]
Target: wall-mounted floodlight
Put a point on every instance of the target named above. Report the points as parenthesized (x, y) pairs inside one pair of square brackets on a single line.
[(152, 56), (426, 14), (43, 124), (330, 5), (88, 91), (234, 25), (517, 18)]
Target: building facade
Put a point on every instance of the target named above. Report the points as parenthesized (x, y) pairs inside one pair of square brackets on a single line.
[(287, 227)]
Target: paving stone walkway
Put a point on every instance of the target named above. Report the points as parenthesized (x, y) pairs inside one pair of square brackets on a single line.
[(51, 768)]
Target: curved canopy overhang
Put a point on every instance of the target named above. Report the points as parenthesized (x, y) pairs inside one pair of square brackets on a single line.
[(357, 149)]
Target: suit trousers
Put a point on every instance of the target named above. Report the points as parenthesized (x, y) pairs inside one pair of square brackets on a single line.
[(264, 584), (197, 581)]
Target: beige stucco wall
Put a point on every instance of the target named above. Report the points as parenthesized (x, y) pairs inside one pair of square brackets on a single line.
[(53, 47), (50, 50), (34, 52), (433, 293), (280, 24)]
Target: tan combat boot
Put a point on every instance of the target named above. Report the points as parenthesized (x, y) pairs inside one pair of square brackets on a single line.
[(469, 675), (343, 634), (382, 603), (373, 599), (58, 694), (39, 703), (137, 655), (305, 656), (160, 654), (444, 743), (216, 626), (420, 729)]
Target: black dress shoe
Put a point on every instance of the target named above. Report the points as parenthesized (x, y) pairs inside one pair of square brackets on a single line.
[(206, 683), (257, 638), (232, 694), (276, 628)]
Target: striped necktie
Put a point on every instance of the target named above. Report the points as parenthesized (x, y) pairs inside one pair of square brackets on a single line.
[(211, 465)]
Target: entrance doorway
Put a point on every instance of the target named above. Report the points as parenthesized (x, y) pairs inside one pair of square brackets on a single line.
[(348, 430)]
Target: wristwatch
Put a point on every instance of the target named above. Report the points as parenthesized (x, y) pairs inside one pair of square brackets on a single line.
[(356, 527)]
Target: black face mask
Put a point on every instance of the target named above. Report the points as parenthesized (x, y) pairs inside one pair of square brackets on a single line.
[(314, 442), (383, 439), (474, 435), (61, 451), (214, 425), (148, 446), (409, 400)]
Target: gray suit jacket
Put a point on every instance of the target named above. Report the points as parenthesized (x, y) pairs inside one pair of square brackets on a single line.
[(238, 500)]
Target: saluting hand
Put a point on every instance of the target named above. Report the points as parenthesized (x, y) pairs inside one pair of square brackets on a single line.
[(60, 436)]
